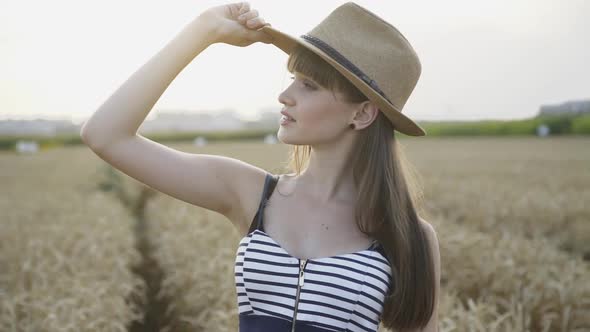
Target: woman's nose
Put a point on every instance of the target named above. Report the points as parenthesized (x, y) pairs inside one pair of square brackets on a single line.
[(285, 99)]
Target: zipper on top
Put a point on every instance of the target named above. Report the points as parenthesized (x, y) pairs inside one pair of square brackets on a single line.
[(300, 281)]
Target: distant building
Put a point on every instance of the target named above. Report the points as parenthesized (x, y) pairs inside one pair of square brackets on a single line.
[(268, 118), (39, 127), (189, 122), (28, 147), (543, 130), (163, 122), (577, 107), (200, 141)]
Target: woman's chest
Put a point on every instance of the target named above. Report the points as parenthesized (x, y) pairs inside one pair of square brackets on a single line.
[(310, 230)]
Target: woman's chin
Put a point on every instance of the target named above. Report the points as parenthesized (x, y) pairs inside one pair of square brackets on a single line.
[(282, 137), (285, 138)]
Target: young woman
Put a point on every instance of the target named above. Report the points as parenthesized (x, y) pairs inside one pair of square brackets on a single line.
[(340, 246)]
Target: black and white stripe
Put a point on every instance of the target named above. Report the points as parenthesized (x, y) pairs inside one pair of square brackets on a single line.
[(341, 293)]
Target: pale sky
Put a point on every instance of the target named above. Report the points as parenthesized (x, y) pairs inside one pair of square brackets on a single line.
[(480, 59)]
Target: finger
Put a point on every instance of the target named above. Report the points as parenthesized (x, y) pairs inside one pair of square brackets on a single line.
[(233, 12), (255, 23), (233, 9), (245, 7), (262, 26), (248, 16)]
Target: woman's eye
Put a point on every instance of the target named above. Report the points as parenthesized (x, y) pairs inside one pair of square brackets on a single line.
[(304, 83)]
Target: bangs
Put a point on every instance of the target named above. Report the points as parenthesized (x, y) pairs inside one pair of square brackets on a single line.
[(308, 63)]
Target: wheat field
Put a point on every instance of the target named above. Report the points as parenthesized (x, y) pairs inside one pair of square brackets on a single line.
[(84, 247)]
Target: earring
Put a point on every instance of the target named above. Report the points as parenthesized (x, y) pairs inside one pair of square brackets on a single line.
[(351, 126)]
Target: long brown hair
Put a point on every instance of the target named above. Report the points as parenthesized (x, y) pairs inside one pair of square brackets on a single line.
[(385, 206)]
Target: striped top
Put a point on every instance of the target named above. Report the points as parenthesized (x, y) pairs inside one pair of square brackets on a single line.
[(343, 292)]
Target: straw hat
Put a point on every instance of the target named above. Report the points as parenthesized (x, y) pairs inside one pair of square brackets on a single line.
[(369, 52)]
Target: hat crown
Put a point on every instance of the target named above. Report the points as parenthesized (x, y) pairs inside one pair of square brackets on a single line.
[(375, 47)]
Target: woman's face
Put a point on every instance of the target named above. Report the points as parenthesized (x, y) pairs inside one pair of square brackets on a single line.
[(320, 116)]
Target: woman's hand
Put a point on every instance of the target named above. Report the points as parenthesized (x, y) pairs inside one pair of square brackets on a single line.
[(235, 24)]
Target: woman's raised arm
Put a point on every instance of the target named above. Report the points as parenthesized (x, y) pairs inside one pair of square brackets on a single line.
[(222, 184)]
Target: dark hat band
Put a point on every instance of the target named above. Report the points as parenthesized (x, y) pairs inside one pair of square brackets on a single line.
[(341, 59)]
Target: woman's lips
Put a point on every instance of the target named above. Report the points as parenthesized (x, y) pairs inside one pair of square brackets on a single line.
[(283, 112), (286, 120)]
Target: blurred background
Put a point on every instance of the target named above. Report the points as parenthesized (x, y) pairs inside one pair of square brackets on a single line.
[(504, 97)]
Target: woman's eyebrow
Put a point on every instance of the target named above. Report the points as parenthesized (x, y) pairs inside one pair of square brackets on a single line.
[(307, 78), (303, 75)]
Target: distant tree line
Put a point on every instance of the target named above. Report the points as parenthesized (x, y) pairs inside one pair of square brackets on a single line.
[(557, 124)]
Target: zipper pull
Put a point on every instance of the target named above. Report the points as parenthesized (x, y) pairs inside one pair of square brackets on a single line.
[(301, 272)]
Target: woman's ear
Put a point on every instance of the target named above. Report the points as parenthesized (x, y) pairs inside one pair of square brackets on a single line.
[(365, 114)]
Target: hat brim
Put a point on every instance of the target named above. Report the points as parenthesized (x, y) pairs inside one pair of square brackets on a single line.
[(402, 123)]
